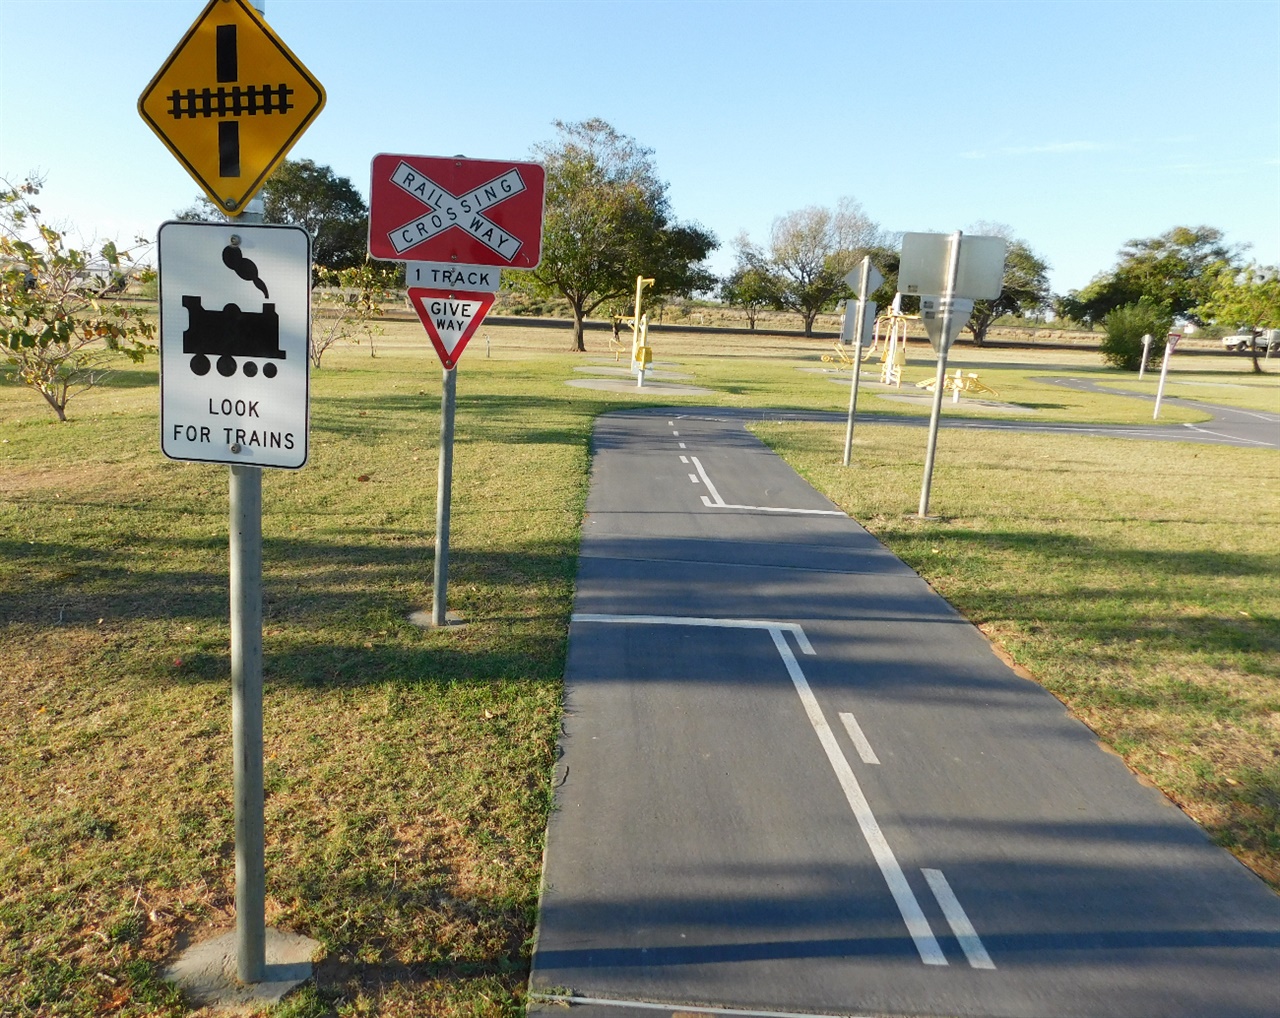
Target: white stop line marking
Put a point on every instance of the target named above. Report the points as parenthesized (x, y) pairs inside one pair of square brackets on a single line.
[(714, 501)]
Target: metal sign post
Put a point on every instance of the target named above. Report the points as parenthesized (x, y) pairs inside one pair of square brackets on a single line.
[(456, 223), (246, 723), (444, 497), (1170, 343), (935, 414), (869, 279), (934, 263), (235, 322)]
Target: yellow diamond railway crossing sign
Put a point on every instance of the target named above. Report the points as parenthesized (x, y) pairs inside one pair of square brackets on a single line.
[(230, 102)]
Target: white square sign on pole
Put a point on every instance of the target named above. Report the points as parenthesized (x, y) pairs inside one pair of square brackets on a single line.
[(235, 326), (923, 269)]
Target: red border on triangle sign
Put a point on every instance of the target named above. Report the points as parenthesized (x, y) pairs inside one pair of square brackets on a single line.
[(454, 321)]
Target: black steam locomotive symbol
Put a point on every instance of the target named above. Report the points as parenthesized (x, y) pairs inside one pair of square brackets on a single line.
[(232, 333)]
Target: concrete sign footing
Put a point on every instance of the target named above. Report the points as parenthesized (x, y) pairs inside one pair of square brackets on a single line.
[(206, 972)]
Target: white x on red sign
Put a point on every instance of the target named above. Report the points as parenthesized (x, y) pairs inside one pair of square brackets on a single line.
[(456, 211), (465, 211)]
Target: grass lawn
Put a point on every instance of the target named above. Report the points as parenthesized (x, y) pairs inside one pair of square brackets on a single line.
[(408, 771)]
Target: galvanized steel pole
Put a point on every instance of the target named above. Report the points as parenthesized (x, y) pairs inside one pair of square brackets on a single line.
[(444, 492), (948, 299), (859, 318), (246, 721), (246, 701)]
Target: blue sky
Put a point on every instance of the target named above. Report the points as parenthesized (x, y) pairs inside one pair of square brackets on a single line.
[(1080, 125)]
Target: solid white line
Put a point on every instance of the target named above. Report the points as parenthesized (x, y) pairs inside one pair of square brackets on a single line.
[(797, 631), (770, 509), (860, 742), (697, 464), (970, 943), (908, 905), (1219, 434), (564, 998), (717, 502)]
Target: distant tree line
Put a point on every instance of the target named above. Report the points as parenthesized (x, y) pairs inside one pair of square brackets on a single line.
[(608, 220)]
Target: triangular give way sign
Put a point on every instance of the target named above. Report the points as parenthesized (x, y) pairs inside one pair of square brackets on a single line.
[(450, 317)]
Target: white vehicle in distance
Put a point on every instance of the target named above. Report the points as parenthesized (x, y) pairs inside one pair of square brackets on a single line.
[(1269, 339)]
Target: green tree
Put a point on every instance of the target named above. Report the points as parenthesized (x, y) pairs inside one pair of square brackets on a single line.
[(57, 328), (1024, 289), (750, 286), (1249, 299), (1177, 268), (608, 220), (306, 193), (811, 250), (349, 303), (1125, 327)]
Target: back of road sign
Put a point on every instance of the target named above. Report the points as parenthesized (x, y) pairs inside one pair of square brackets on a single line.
[(235, 318), (923, 269), (931, 313)]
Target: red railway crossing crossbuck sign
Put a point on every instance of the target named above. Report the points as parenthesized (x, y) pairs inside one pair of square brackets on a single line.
[(230, 101), (451, 318), (457, 210)]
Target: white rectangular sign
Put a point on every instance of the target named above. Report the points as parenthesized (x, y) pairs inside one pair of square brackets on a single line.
[(925, 257), (235, 325), (450, 275)]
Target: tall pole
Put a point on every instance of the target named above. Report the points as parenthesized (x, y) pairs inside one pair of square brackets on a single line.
[(859, 320), (246, 721), (1169, 345), (948, 300), (246, 700), (444, 492)]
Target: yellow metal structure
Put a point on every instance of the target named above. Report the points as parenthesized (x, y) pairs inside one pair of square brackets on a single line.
[(840, 358), (892, 329), (640, 327), (961, 382)]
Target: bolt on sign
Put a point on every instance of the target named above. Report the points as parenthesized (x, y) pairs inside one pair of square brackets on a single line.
[(230, 102)]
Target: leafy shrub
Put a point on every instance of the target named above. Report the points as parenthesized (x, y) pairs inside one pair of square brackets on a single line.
[(1125, 327)]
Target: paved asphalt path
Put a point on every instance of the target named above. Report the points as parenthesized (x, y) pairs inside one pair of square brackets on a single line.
[(794, 780), (1229, 425)]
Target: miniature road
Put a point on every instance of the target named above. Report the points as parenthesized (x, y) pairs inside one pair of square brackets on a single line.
[(794, 780), (1228, 426)]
